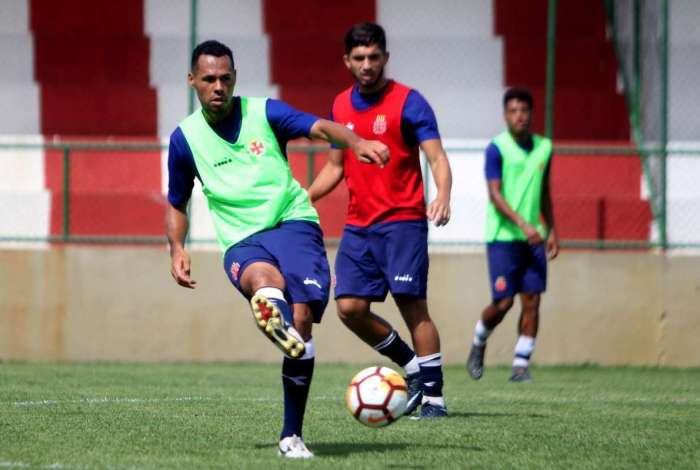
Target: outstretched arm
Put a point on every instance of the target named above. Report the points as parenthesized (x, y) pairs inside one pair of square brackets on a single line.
[(439, 208), (367, 151), (176, 226), (329, 177)]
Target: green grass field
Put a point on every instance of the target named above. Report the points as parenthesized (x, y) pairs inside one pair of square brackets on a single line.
[(187, 416)]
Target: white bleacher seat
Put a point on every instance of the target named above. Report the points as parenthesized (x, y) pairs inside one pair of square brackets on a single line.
[(443, 18), (14, 16)]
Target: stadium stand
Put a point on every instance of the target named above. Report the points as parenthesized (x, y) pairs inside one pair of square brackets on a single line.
[(119, 70)]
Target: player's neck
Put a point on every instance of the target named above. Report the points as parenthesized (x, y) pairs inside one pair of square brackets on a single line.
[(522, 138), (215, 118), (373, 88)]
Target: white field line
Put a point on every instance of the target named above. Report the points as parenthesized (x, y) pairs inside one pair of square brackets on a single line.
[(125, 400), (53, 466)]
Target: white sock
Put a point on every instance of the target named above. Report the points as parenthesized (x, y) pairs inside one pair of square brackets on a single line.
[(412, 366), (309, 352), (481, 334), (271, 293), (523, 351)]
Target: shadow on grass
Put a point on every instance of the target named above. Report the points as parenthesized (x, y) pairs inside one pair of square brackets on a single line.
[(460, 414), (341, 449)]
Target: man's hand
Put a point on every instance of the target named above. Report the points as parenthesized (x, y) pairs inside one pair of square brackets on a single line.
[(439, 211), (371, 151), (180, 269), (552, 245), (533, 236)]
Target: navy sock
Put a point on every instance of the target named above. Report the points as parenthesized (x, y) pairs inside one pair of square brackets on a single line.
[(431, 374), (296, 381), (395, 349)]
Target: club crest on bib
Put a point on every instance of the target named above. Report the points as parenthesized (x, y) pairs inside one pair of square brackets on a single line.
[(379, 126), (256, 147)]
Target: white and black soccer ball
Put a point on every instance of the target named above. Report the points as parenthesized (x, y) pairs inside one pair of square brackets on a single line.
[(377, 396)]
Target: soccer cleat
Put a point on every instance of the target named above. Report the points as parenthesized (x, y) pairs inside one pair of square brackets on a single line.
[(520, 374), (270, 322), (293, 447), (431, 411), (475, 362), (415, 393)]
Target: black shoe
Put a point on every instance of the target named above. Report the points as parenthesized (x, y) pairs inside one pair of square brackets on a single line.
[(475, 362), (415, 393), (520, 374), (430, 411)]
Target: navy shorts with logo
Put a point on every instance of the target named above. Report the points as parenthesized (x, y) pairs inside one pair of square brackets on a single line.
[(296, 249), (516, 267), (390, 256)]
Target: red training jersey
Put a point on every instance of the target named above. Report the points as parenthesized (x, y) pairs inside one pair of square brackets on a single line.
[(387, 194)]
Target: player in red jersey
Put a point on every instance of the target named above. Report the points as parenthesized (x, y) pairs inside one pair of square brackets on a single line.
[(385, 242)]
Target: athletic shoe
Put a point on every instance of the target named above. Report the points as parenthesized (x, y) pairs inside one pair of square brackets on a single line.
[(272, 324), (520, 374), (415, 393), (431, 411), (475, 362), (293, 447)]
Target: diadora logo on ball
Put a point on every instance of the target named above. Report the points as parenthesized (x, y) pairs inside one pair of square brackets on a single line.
[(235, 269), (403, 278), (379, 126), (500, 284), (256, 147)]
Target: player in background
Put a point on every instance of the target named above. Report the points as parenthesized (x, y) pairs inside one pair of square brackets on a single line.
[(267, 228), (384, 245), (517, 242)]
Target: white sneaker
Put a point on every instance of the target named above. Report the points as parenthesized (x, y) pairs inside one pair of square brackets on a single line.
[(293, 447)]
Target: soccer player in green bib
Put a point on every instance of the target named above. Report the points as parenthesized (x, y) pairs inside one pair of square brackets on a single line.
[(520, 233), (265, 225)]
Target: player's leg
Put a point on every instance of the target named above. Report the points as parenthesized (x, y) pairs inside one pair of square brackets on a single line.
[(299, 249), (359, 282), (296, 382), (355, 313), (401, 249), (426, 341), (254, 271), (505, 281), (534, 283)]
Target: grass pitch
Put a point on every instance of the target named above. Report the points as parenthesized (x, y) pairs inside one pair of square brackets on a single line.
[(201, 416)]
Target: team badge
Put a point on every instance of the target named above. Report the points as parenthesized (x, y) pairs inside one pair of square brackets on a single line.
[(256, 147), (500, 284), (235, 269), (350, 126), (379, 126)]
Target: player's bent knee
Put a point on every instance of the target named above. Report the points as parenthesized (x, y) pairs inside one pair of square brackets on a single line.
[(259, 275), (503, 305)]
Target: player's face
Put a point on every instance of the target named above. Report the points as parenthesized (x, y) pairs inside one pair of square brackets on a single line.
[(518, 117), (213, 79), (366, 64)]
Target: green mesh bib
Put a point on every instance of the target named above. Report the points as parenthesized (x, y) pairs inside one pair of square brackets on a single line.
[(521, 185), (248, 183)]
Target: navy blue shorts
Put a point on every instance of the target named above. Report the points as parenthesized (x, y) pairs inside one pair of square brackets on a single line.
[(516, 267), (374, 260), (296, 249)]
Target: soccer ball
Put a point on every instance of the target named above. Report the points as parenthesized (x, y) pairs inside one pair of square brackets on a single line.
[(377, 396)]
